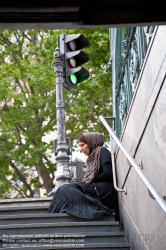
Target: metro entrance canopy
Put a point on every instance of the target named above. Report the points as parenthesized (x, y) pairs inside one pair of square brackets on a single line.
[(80, 14)]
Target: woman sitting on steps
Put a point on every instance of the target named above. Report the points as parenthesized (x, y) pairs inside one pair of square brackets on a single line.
[(95, 196)]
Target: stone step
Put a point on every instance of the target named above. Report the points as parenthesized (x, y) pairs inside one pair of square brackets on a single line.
[(85, 238), (25, 202), (46, 218), (25, 224), (98, 246), (24, 206), (60, 227), (23, 209)]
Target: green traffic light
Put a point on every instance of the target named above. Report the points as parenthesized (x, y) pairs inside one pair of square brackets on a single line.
[(73, 78)]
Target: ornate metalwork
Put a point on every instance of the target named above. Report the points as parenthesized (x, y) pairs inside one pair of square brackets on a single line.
[(134, 66), (134, 44), (122, 104), (148, 30)]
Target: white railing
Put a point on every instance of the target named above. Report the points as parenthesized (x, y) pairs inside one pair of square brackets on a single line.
[(150, 187)]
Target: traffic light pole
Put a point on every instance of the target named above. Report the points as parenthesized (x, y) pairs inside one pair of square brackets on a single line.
[(62, 158)]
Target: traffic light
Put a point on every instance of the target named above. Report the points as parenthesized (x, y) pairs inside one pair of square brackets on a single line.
[(70, 47)]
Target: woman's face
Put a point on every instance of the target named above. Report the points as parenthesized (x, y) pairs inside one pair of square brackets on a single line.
[(84, 148)]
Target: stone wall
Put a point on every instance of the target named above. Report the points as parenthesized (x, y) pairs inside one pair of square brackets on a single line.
[(144, 136)]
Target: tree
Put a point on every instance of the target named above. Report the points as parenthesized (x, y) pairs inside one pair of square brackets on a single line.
[(27, 105)]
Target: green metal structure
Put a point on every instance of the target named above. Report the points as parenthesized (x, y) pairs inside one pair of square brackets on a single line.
[(128, 49)]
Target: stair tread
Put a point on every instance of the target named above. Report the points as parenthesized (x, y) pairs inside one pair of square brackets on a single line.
[(101, 233), (60, 235), (23, 207), (24, 200), (74, 246), (41, 215), (64, 224)]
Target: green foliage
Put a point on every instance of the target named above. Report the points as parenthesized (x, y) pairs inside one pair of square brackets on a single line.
[(28, 109)]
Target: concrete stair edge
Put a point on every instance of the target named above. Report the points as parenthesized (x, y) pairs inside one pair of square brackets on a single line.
[(64, 235), (63, 224), (23, 201), (112, 246), (49, 215)]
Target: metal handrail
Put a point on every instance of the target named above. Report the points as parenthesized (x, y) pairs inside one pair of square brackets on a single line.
[(150, 187), (113, 162)]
